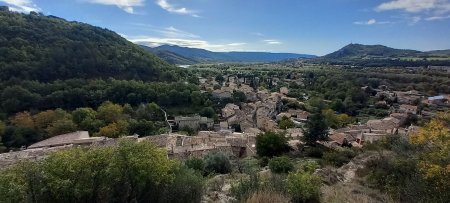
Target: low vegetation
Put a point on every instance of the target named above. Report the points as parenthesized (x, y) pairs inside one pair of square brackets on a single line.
[(129, 172)]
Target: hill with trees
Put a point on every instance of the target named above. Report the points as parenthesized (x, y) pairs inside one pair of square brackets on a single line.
[(379, 55), (170, 57), (47, 48), (172, 53)]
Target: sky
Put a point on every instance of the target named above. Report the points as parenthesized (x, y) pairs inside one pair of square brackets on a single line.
[(298, 26)]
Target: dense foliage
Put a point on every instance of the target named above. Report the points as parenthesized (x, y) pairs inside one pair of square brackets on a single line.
[(47, 48), (129, 172), (271, 144), (281, 164), (108, 120), (418, 168), (217, 162)]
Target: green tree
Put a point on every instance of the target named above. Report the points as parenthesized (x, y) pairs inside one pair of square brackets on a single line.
[(142, 127), (62, 126), (316, 128), (217, 162), (114, 130), (79, 115), (110, 112), (303, 186), (239, 96), (196, 164), (281, 165), (286, 123), (271, 144), (208, 112)]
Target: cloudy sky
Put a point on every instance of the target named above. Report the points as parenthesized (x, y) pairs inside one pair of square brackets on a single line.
[(299, 26)]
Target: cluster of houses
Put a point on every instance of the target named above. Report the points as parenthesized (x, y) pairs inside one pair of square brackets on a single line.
[(406, 106), (235, 133), (178, 146)]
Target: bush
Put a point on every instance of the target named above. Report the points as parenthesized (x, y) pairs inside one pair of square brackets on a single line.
[(271, 144), (242, 190), (338, 158), (248, 165), (217, 162), (281, 165), (196, 164), (309, 166), (187, 186), (264, 161), (303, 186), (127, 172), (315, 152)]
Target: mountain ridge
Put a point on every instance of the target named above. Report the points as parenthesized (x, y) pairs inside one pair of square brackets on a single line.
[(355, 51), (202, 55)]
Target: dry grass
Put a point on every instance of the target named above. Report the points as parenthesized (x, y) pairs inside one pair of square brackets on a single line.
[(352, 193), (267, 196)]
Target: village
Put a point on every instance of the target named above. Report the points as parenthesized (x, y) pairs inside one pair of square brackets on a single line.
[(238, 125)]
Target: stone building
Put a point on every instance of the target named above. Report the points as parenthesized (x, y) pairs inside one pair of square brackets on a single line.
[(194, 122)]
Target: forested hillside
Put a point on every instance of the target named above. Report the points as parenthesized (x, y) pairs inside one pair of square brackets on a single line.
[(53, 68), (379, 56), (47, 48), (172, 54)]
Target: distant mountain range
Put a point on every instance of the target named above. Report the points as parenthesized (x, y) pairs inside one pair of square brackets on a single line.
[(359, 51), (187, 56)]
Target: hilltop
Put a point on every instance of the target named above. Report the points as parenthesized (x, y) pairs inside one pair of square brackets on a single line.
[(379, 55), (184, 55), (47, 48), (359, 51)]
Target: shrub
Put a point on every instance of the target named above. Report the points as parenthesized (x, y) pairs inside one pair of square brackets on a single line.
[(245, 187), (186, 187), (217, 162), (263, 161), (309, 166), (248, 165), (271, 144), (127, 172), (196, 164), (281, 165), (338, 158), (303, 186), (216, 183), (315, 152)]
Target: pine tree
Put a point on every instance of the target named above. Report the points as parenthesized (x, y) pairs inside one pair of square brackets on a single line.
[(316, 128)]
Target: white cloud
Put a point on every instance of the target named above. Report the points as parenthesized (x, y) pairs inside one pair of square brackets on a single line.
[(408, 5), (257, 34), (371, 22), (435, 18), (192, 43), (416, 10), (237, 44), (164, 4), (126, 5), (272, 42), (172, 32), (416, 6), (24, 6)]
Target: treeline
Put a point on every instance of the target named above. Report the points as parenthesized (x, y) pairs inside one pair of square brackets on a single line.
[(108, 120), (70, 94), (384, 62), (47, 48)]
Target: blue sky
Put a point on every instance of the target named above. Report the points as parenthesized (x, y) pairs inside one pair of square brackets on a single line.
[(300, 26)]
